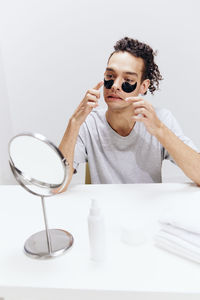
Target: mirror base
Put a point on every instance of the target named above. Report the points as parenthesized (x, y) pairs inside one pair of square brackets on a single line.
[(36, 245)]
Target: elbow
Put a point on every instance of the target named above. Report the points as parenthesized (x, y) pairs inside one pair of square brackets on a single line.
[(198, 183), (65, 185), (196, 180)]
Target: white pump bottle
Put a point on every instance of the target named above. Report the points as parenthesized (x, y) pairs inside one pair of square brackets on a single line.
[(96, 229)]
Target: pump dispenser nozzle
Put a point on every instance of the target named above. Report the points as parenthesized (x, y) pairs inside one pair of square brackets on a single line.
[(94, 209)]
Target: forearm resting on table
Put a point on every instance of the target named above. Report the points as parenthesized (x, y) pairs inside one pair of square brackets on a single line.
[(67, 147), (184, 156)]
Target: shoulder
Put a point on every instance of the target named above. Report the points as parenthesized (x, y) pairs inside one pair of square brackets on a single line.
[(95, 118), (97, 114), (165, 116), (170, 121), (163, 113), (94, 121)]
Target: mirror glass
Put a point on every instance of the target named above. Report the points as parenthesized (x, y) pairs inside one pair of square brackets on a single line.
[(37, 163)]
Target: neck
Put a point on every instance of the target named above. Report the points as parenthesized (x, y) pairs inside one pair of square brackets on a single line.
[(120, 121)]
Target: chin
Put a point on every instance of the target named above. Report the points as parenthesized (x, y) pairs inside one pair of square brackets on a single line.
[(116, 105)]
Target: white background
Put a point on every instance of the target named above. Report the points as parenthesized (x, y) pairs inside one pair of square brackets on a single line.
[(52, 51)]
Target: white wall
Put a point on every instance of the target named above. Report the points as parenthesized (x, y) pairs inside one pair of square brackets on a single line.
[(5, 129), (53, 51)]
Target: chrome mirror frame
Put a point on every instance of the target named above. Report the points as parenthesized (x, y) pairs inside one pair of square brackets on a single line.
[(49, 242)]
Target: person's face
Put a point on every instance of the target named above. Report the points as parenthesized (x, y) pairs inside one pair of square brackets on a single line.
[(122, 67)]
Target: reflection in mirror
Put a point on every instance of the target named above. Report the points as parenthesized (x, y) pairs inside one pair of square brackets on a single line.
[(40, 168)]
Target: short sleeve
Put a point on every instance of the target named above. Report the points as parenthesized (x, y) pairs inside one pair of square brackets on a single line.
[(80, 152), (170, 121)]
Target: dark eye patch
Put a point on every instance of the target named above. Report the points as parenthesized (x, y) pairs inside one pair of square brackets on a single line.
[(108, 83), (126, 86)]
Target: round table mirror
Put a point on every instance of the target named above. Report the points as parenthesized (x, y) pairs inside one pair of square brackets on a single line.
[(40, 168)]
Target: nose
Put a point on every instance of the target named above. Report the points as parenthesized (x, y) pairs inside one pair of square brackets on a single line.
[(117, 84)]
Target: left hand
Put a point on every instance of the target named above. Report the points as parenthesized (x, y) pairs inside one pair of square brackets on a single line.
[(143, 111)]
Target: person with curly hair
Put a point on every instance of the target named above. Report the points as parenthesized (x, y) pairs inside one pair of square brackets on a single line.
[(127, 142)]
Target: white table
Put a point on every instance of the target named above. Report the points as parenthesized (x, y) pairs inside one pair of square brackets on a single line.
[(130, 272)]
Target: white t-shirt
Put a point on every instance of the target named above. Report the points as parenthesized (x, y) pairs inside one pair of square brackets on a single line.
[(112, 158)]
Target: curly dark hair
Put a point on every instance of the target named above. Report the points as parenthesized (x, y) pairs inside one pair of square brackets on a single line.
[(145, 52)]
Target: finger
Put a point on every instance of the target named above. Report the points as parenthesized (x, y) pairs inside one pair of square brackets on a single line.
[(99, 85), (139, 111), (138, 118), (92, 104), (139, 103), (143, 103), (94, 92), (142, 111), (91, 98), (133, 99)]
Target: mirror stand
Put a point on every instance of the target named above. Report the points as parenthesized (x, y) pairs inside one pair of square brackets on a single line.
[(49, 242), (41, 169)]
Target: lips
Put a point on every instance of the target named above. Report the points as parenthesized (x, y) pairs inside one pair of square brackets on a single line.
[(115, 97)]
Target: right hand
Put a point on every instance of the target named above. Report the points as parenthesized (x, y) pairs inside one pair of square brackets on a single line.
[(89, 102)]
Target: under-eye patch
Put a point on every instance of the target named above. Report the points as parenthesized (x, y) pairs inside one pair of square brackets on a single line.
[(108, 83), (126, 86)]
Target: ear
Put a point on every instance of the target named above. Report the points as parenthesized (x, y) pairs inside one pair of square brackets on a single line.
[(144, 86)]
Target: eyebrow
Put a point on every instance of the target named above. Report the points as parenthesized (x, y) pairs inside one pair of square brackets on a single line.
[(128, 73)]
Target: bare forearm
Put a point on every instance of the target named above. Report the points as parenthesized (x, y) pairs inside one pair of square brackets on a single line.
[(67, 146), (184, 156), (68, 141)]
